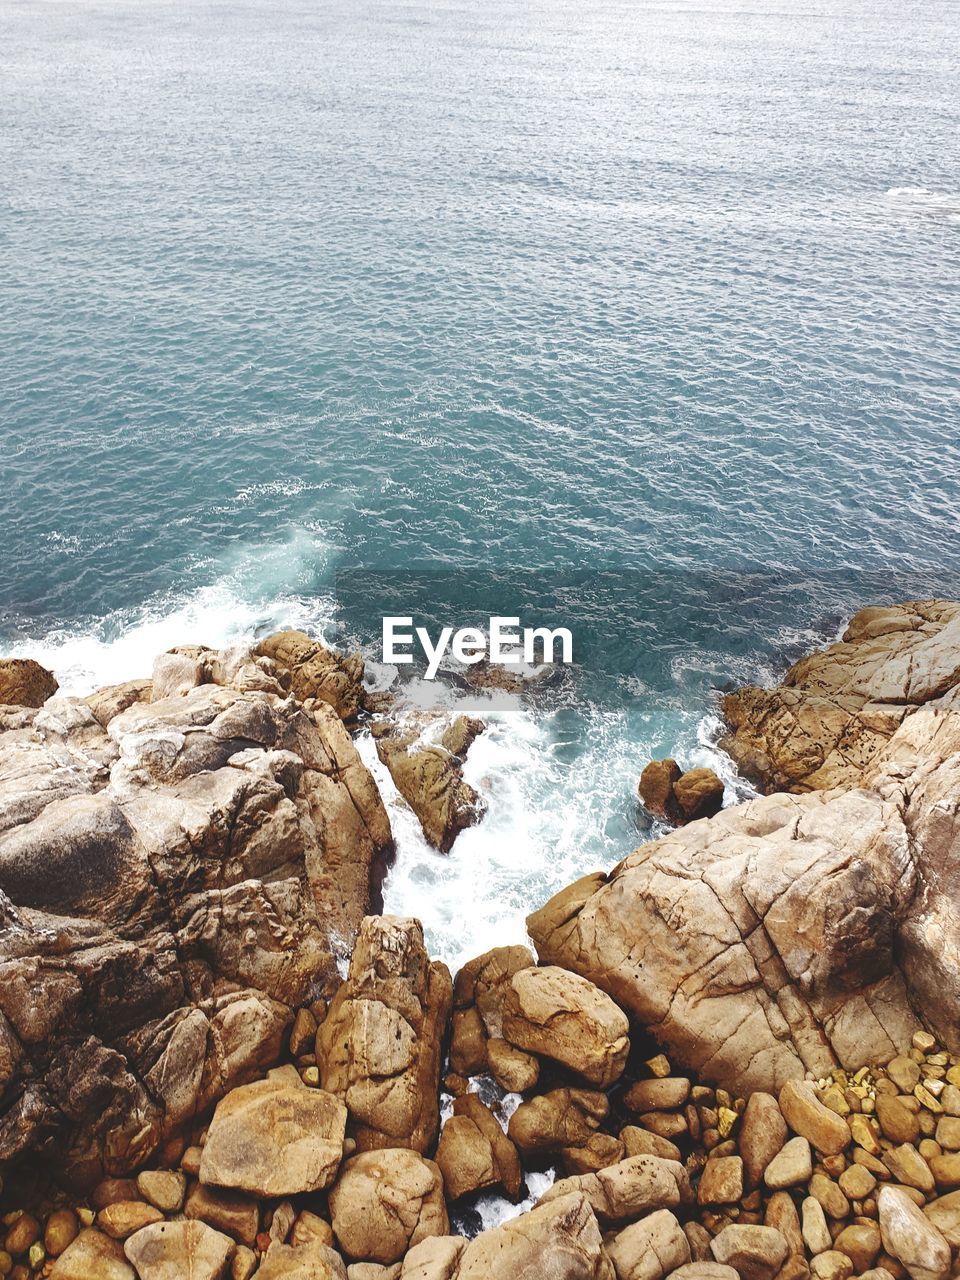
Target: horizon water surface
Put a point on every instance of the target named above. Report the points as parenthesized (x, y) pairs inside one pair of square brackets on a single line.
[(645, 315)]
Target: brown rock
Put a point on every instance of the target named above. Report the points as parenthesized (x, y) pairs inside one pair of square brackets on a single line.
[(628, 1190), (474, 1153), (92, 1256), (309, 670), (560, 1240), (831, 1265), (649, 1249), (641, 1142), (24, 683), (312, 1261), (699, 793), (657, 1095), (225, 1211), (756, 1253), (861, 1243), (430, 779), (656, 787), (61, 1230), (163, 1188), (513, 1070), (273, 1139), (781, 1213), (599, 1152), (379, 1048), (721, 1181), (127, 1216), (790, 1167), (808, 1117), (897, 1122), (433, 1259), (385, 1202), (23, 1232), (179, 1251), (911, 1237), (763, 1134), (560, 1015), (560, 1118)]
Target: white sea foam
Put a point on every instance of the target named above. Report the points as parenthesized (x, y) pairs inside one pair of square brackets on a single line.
[(921, 200), (250, 594)]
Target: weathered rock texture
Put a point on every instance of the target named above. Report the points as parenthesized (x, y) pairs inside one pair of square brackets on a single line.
[(307, 669), (380, 1045), (836, 710), (792, 932), (429, 777), (680, 797), (176, 877), (24, 683)]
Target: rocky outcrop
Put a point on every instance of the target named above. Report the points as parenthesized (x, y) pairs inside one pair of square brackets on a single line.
[(669, 793), (309, 670), (791, 933), (24, 683), (477, 1043), (379, 1047), (429, 776), (836, 710), (176, 878)]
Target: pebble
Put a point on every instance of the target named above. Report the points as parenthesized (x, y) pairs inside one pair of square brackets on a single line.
[(808, 1117), (24, 1232), (816, 1233), (791, 1167), (831, 1265)]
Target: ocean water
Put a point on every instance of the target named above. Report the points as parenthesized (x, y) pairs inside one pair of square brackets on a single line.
[(641, 317)]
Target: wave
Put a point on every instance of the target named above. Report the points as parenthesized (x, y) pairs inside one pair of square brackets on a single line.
[(254, 591), (921, 200)]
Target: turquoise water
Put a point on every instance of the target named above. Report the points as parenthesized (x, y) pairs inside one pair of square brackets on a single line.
[(660, 294)]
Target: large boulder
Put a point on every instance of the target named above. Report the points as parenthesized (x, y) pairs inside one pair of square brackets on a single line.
[(558, 1241), (474, 1153), (430, 778), (477, 1043), (173, 886), (836, 710), (179, 1251), (274, 1139), (558, 1119), (668, 792), (385, 1202), (629, 1189), (379, 1048), (791, 933), (24, 683), (559, 1015)]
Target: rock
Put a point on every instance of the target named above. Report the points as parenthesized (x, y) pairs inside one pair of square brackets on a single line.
[(460, 736), (911, 1237), (599, 1152), (92, 1256), (309, 670), (816, 1233), (312, 1261), (60, 1232), (763, 1133), (791, 1167), (831, 1265), (721, 1181), (557, 1241), (179, 1251), (898, 1124), (908, 1166), (627, 1190), (944, 1213), (781, 1213), (649, 1249), (656, 787), (825, 1190), (385, 1202), (430, 779), (699, 793), (434, 1259), (125, 1217), (857, 1183), (513, 1070), (756, 1253), (273, 1139), (479, 992), (163, 1188), (558, 1015), (175, 886), (905, 1074), (836, 710), (110, 701), (808, 1117), (560, 1118), (861, 1243), (948, 1131), (24, 683), (657, 1095), (309, 1228), (704, 1271), (379, 1048), (23, 1232), (474, 1153), (641, 1142), (234, 1215)]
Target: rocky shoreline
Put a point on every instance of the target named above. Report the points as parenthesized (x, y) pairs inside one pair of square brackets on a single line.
[(739, 1049)]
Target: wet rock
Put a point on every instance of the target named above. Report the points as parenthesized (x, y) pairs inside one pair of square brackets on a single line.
[(379, 1048), (431, 781), (474, 1153), (559, 1015), (699, 793), (479, 991), (179, 1251), (272, 1139), (560, 1240), (656, 787), (24, 683), (385, 1202)]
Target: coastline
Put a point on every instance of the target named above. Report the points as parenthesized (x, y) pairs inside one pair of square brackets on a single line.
[(259, 738)]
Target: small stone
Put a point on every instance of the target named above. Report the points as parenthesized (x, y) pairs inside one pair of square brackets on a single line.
[(834, 1202), (303, 1033), (657, 1095), (904, 1073), (897, 1122), (950, 1100), (112, 1190), (861, 1243), (226, 1211), (24, 1232), (756, 1253), (946, 1170), (792, 1167), (61, 1230), (831, 1265), (721, 1181), (163, 1188), (908, 1166), (944, 1213), (244, 1263), (781, 1213), (911, 1237), (641, 1142), (857, 1182), (808, 1117), (659, 1066), (127, 1216), (309, 1228), (190, 1161), (649, 1249), (924, 1041), (864, 1134), (816, 1233), (926, 1099)]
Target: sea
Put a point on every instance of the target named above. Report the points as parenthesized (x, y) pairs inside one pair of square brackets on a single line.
[(637, 317)]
